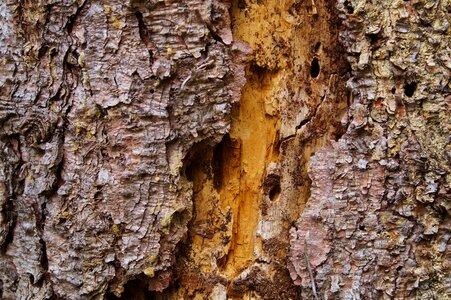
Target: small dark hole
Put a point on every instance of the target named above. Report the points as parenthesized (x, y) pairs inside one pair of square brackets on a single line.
[(219, 153), (399, 268), (349, 7), (317, 46), (135, 289), (42, 51), (409, 89), (259, 71), (189, 172), (315, 68), (361, 227), (179, 218), (274, 193), (373, 38), (393, 90)]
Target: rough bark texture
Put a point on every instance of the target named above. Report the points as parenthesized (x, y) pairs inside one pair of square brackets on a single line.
[(147, 152), (377, 222), (100, 102), (252, 187)]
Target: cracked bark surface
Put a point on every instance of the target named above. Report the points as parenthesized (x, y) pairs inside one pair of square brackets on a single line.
[(224, 150), (100, 102), (376, 225)]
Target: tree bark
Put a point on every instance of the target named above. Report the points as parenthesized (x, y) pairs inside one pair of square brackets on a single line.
[(211, 149)]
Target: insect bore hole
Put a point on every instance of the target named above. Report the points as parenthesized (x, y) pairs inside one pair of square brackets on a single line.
[(315, 68)]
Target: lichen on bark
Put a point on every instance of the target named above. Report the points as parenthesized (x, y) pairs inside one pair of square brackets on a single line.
[(377, 222), (100, 102)]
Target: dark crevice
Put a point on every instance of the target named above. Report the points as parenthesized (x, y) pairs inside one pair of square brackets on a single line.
[(41, 52), (180, 218), (349, 8), (215, 36), (312, 116), (274, 193), (241, 4), (190, 163), (317, 47), (197, 159), (71, 20), (189, 170), (44, 259), (345, 71), (15, 187), (304, 122), (11, 216), (218, 160), (409, 88), (315, 68), (135, 290), (260, 73), (375, 38), (144, 34), (339, 132)]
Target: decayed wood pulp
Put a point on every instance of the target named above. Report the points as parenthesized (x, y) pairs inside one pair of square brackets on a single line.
[(145, 147), (252, 187)]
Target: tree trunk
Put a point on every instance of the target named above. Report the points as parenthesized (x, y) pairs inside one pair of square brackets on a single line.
[(257, 149)]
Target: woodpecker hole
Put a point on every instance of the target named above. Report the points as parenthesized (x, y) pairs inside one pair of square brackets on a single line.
[(315, 68)]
